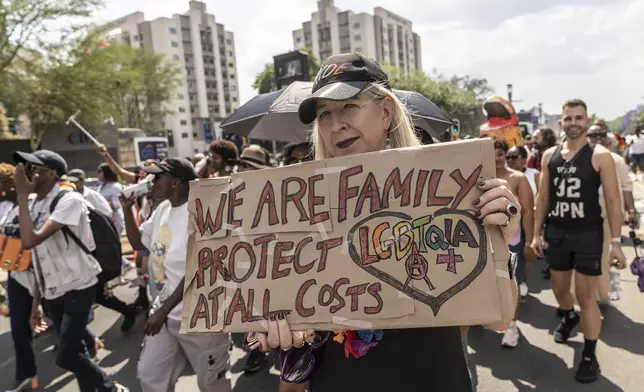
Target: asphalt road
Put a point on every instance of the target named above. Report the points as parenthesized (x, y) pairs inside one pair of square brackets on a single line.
[(537, 364)]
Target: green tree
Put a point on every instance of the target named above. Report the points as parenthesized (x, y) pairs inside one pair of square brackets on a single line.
[(4, 124), (25, 24), (265, 80), (120, 82), (460, 97)]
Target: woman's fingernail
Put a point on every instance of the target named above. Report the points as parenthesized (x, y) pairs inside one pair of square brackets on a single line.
[(272, 317), (476, 202), (280, 316), (481, 183)]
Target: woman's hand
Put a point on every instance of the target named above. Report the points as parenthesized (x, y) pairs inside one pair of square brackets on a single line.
[(498, 207), (279, 336)]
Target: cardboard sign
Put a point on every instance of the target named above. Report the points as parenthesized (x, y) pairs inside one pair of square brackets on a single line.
[(380, 240)]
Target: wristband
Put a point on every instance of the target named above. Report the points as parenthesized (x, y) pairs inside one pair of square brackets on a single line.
[(616, 240)]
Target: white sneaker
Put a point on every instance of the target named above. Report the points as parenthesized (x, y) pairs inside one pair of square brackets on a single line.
[(523, 289), (511, 336)]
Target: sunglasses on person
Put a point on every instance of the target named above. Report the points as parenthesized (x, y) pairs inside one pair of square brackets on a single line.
[(597, 134), (512, 157), (298, 363)]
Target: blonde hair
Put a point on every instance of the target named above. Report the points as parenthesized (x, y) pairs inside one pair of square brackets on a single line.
[(401, 131)]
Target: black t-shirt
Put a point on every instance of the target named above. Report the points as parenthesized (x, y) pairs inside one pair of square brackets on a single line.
[(574, 191), (410, 360)]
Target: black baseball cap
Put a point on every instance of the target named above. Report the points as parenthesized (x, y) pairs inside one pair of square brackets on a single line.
[(342, 77), (177, 167), (76, 175), (45, 158)]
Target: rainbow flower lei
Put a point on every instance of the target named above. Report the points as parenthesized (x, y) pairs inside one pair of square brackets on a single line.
[(358, 343)]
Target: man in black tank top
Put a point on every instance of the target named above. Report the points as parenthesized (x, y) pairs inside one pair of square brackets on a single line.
[(569, 198)]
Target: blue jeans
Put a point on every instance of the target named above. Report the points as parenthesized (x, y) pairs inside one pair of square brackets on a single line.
[(20, 310), (69, 314), (518, 249)]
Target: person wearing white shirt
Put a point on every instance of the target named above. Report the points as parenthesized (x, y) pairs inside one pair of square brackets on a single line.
[(636, 151), (103, 296), (78, 177), (20, 288), (605, 288), (111, 189), (66, 276), (165, 234)]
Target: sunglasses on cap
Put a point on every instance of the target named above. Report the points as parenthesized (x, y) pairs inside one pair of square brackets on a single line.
[(598, 134), (297, 364)]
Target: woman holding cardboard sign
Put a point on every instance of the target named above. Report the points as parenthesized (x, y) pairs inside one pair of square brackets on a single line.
[(355, 112), (20, 285)]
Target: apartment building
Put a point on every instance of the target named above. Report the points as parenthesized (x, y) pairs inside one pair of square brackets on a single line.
[(384, 36), (207, 55)]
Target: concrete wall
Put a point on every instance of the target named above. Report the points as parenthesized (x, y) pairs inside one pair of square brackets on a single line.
[(76, 148)]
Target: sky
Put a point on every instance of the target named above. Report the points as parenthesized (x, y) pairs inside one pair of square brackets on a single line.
[(549, 50)]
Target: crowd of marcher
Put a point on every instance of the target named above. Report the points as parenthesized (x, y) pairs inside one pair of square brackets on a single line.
[(564, 199)]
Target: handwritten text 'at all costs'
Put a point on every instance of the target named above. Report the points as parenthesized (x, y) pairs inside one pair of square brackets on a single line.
[(417, 188), (266, 258)]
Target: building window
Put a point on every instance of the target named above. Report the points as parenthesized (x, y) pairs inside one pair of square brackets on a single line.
[(357, 37), (233, 87), (229, 41), (194, 122), (172, 30), (232, 76), (298, 40), (176, 57), (184, 135), (358, 49), (194, 134), (184, 122), (182, 110), (231, 65), (174, 44), (234, 99), (180, 96), (356, 25), (230, 54)]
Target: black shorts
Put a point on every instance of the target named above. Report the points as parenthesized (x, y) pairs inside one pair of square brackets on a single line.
[(580, 250)]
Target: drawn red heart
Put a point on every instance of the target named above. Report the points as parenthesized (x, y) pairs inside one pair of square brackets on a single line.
[(433, 301)]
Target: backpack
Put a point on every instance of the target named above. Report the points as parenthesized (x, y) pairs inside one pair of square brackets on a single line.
[(108, 243)]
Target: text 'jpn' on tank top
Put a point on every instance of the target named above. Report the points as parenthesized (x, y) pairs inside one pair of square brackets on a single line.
[(573, 191)]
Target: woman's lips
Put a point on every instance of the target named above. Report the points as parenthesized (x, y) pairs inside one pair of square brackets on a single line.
[(346, 142)]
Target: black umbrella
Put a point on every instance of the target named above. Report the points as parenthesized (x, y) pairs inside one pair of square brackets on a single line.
[(273, 116), (425, 113)]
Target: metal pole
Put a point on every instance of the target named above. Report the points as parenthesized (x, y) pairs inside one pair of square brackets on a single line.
[(72, 119)]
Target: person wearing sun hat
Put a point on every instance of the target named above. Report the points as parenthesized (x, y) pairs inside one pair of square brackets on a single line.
[(165, 233), (253, 157)]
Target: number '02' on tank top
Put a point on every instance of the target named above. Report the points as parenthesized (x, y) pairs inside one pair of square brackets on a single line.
[(573, 191)]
